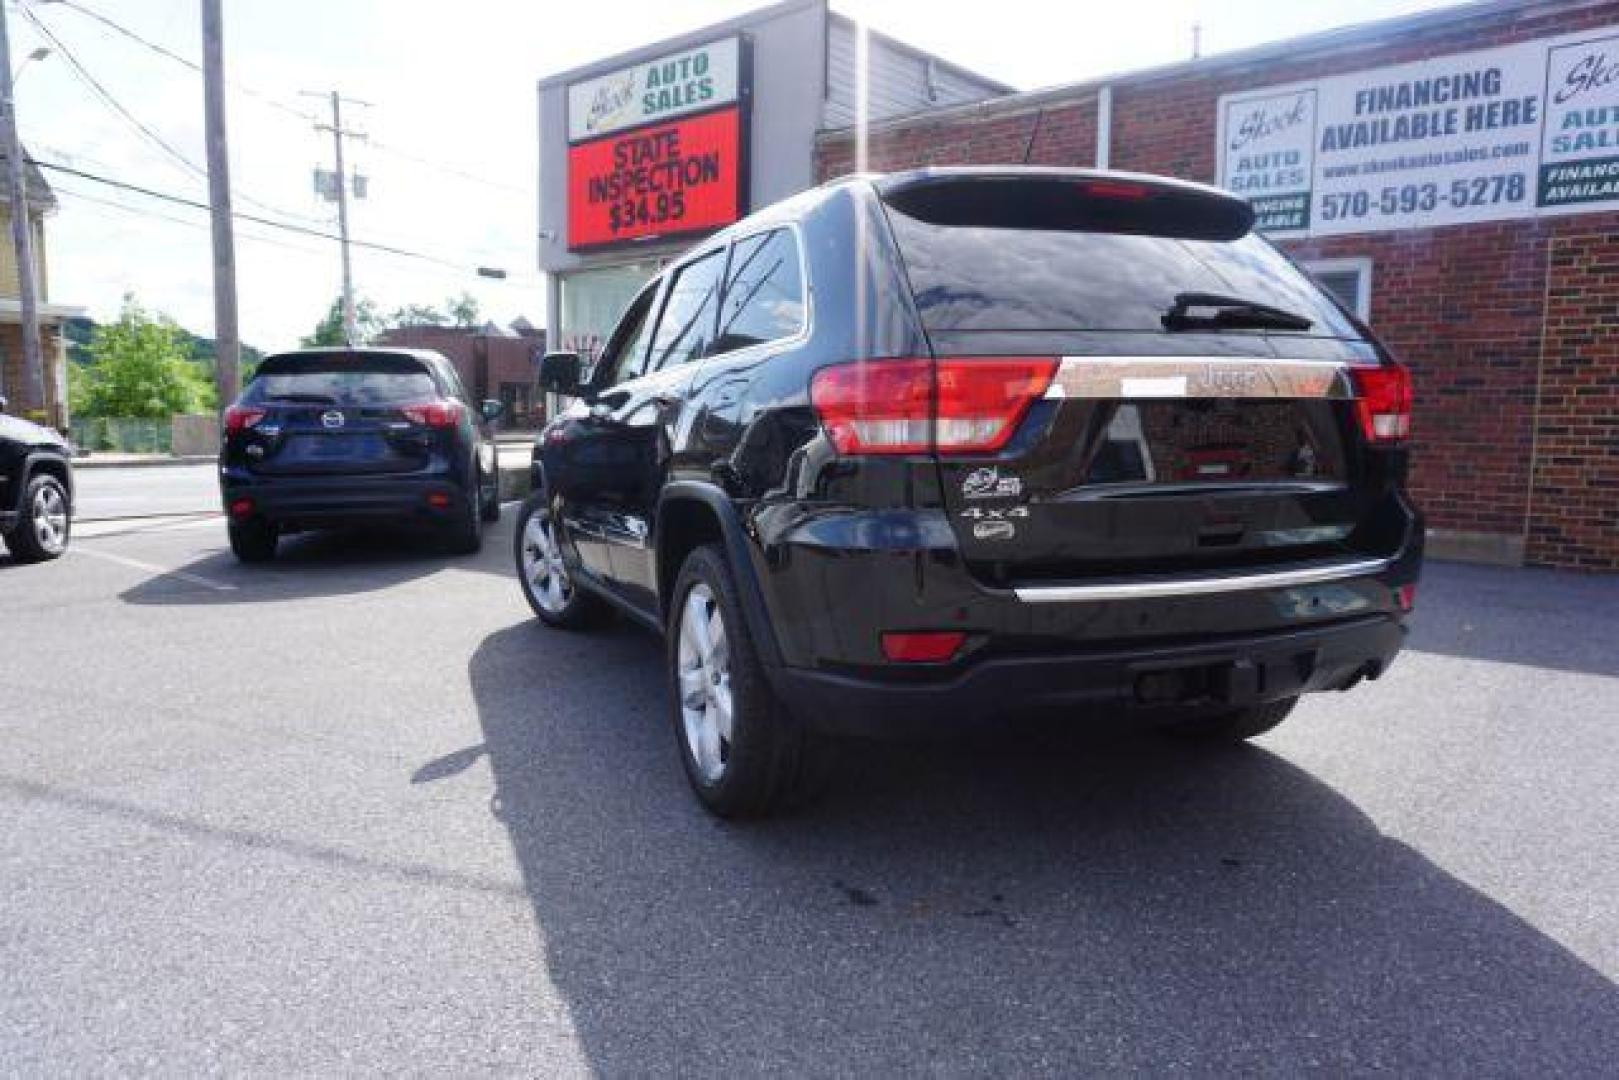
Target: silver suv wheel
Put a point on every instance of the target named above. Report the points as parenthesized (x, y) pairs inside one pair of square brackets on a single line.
[(704, 671), (48, 517), (544, 575)]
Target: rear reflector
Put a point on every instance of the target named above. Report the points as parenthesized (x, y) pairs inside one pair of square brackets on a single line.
[(435, 414), (241, 417), (931, 647), (1406, 597), (241, 507), (1383, 402), (959, 405), (438, 500)]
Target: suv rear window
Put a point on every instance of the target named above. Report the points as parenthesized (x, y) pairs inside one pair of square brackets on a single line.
[(341, 379), (969, 276)]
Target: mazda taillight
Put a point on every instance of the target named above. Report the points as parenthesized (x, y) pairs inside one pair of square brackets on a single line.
[(241, 417), (959, 405), (1383, 402), (434, 414)]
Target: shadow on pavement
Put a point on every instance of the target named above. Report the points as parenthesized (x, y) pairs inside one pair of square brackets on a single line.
[(1063, 905), (1541, 618), (322, 563)]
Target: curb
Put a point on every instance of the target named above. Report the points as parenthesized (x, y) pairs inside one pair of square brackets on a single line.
[(156, 461)]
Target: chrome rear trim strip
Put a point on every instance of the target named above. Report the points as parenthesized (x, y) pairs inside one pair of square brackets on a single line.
[(1110, 377), (1199, 586)]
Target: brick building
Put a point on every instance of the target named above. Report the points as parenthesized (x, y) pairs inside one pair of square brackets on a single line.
[(1476, 226), (493, 362)]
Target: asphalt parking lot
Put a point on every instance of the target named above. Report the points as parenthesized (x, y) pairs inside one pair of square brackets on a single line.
[(355, 811)]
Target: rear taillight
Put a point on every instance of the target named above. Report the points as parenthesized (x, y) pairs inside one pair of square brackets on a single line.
[(241, 417), (1383, 402), (435, 414), (959, 405)]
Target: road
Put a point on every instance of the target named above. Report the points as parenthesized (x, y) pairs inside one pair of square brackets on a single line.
[(145, 490), (357, 812), (107, 493)]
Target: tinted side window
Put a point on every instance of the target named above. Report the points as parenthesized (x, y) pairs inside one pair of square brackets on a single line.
[(686, 328), (764, 292), (624, 358)]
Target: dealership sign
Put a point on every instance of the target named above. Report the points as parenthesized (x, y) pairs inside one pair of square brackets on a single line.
[(658, 149), (1511, 132)]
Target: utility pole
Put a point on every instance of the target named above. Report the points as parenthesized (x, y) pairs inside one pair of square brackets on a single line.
[(227, 343), (340, 186), (22, 233)]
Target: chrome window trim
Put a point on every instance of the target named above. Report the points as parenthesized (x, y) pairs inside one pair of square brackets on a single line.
[(1199, 586)]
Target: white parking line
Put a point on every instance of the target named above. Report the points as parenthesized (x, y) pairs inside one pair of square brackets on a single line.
[(91, 530), (163, 571)]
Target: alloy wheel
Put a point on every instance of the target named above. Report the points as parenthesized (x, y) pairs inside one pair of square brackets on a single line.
[(49, 514), (544, 574), (703, 660)]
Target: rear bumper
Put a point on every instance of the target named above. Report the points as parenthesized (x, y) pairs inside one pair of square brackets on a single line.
[(1145, 681), (835, 582), (316, 501)]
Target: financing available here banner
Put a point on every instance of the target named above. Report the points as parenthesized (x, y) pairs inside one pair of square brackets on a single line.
[(1515, 131)]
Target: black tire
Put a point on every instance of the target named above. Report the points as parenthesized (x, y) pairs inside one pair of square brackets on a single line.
[(571, 608), (1237, 724), (466, 534), (489, 501), (253, 540), (772, 762), (33, 540)]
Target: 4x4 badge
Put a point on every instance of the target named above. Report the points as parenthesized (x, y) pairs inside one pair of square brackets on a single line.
[(988, 483)]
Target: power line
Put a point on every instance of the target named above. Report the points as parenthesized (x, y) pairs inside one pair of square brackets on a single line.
[(277, 103), (141, 211), (106, 97), (255, 219), (113, 103), (195, 204)]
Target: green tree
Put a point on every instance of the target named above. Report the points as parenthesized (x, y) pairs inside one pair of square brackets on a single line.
[(418, 315), (137, 368), (463, 310), (329, 331)]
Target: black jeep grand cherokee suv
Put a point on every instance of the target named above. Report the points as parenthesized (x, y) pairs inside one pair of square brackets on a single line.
[(907, 450)]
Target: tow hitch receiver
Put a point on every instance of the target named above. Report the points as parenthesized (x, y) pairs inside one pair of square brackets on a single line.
[(1231, 682)]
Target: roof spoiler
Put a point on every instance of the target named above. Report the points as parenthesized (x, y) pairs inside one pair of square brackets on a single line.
[(1067, 200)]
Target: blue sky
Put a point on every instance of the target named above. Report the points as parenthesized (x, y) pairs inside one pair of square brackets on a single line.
[(453, 158)]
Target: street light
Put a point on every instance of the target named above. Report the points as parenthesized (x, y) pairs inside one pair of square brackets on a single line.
[(38, 54)]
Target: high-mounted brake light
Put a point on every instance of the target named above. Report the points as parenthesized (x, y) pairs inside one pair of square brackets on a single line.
[(1383, 402), (1116, 189), (434, 414), (241, 417), (959, 405)]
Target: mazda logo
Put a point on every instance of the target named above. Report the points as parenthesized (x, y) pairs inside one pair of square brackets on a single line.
[(331, 418)]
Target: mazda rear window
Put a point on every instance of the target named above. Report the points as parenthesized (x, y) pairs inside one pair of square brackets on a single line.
[(341, 379), (996, 276)]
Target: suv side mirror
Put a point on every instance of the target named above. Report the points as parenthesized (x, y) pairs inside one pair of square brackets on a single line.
[(560, 372), (491, 409)]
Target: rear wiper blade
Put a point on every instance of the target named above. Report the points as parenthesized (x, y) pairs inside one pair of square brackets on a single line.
[(302, 399), (1229, 311)]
